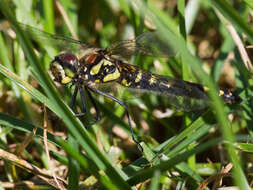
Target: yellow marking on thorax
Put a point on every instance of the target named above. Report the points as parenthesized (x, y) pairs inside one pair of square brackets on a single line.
[(125, 83), (113, 76), (152, 79), (106, 62), (96, 68), (85, 69), (138, 77)]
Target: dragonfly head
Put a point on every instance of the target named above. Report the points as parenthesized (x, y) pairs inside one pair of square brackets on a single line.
[(64, 67)]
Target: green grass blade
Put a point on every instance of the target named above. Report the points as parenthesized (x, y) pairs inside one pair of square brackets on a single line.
[(155, 181), (4, 57), (166, 165), (74, 167), (249, 3), (14, 123), (48, 9)]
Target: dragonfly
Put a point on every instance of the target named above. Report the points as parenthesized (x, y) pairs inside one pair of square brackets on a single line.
[(92, 67)]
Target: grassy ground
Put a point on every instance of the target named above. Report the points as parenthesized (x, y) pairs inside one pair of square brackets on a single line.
[(181, 150)]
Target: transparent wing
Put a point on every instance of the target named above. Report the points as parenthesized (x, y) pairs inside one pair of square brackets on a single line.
[(147, 43), (187, 100), (182, 102), (59, 42)]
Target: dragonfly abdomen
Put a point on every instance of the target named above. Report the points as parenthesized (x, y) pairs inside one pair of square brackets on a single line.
[(133, 77), (182, 94)]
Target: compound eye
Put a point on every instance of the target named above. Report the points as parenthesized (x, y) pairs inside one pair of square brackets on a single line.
[(68, 60)]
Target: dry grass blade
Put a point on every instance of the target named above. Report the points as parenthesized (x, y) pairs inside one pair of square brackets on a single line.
[(66, 19), (217, 178), (237, 40), (240, 46), (46, 147), (26, 142), (13, 185), (42, 174)]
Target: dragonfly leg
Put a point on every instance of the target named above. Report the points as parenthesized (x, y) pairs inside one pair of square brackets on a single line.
[(98, 117), (82, 101), (124, 106), (73, 100)]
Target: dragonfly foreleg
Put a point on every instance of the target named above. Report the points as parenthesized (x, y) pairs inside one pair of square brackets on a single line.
[(126, 110), (98, 117), (73, 101), (83, 103)]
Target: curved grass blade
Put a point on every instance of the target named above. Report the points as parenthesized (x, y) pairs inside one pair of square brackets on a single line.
[(27, 87), (14, 123), (144, 174)]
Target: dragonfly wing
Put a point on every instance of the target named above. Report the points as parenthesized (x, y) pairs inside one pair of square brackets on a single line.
[(59, 42), (180, 102), (186, 103), (184, 95), (147, 43), (190, 99)]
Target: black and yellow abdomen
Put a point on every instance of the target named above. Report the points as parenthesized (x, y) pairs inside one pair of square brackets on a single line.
[(182, 94)]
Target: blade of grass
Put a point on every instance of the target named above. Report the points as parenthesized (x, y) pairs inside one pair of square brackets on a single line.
[(249, 3), (145, 174), (12, 122), (195, 126), (4, 57), (27, 87), (48, 10), (227, 46), (74, 167), (185, 71), (181, 10), (191, 13), (199, 133), (155, 181)]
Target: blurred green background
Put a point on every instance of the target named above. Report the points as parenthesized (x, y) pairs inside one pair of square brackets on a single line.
[(181, 149)]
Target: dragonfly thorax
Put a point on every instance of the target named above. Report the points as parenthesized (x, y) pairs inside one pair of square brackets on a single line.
[(64, 67), (97, 69)]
